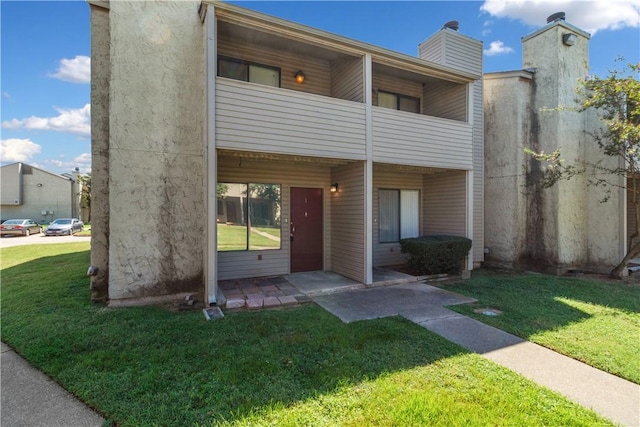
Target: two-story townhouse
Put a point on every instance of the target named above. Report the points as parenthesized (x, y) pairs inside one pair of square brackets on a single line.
[(232, 144)]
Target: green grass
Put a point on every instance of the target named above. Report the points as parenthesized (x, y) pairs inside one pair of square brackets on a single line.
[(234, 238), (299, 366), (597, 322)]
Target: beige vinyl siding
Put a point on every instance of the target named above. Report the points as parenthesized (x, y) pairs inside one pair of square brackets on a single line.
[(478, 175), (347, 79), (418, 140), (252, 117), (317, 71), (432, 48), (348, 222), (445, 203), (394, 85), (385, 254), (453, 49), (243, 264), (445, 99)]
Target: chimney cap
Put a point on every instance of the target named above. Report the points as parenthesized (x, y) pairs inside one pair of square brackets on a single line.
[(558, 16), (453, 25)]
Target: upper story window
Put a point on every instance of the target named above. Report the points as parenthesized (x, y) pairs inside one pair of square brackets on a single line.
[(248, 71), (396, 101)]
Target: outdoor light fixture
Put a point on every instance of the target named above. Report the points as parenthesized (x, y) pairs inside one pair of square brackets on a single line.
[(299, 77), (334, 188), (569, 39)]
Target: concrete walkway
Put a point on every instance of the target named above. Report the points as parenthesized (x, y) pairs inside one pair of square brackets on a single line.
[(610, 396), (30, 398)]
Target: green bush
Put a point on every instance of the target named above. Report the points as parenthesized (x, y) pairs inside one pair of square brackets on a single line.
[(436, 254)]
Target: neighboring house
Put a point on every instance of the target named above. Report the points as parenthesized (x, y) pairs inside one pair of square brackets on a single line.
[(219, 133), (30, 192), (564, 227)]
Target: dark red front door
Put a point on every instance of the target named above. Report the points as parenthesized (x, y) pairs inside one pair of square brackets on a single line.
[(306, 229)]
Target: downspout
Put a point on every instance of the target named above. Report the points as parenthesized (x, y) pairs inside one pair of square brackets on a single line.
[(368, 179), (207, 13)]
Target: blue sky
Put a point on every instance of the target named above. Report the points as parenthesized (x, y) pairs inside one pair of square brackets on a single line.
[(45, 49)]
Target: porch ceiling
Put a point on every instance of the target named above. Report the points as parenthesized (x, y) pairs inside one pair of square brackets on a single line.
[(406, 168), (231, 155), (403, 74), (253, 37)]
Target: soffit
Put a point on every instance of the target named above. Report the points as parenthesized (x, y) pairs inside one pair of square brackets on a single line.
[(290, 31), (251, 155)]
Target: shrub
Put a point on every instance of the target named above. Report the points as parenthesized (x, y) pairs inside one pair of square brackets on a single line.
[(436, 254)]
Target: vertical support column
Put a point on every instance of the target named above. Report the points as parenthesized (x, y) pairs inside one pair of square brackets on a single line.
[(470, 217), (100, 78), (368, 170), (470, 112), (211, 251)]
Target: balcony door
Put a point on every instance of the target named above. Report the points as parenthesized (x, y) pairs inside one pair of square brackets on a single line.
[(306, 229)]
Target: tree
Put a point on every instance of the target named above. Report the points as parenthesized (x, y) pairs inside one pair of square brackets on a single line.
[(616, 99), (84, 182)]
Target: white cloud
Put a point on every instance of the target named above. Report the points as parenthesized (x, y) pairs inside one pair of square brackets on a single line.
[(486, 28), (75, 121), (592, 16), (82, 162), (18, 150), (76, 70), (497, 48)]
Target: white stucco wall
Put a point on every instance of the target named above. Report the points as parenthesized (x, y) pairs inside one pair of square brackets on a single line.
[(156, 152), (566, 225), (100, 53), (606, 236), (558, 70), (507, 109)]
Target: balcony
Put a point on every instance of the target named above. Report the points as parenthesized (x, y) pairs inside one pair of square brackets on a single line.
[(254, 117)]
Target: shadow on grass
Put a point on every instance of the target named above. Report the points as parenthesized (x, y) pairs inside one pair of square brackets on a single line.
[(153, 366), (532, 302)]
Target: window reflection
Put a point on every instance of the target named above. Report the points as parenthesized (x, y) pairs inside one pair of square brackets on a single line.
[(249, 216)]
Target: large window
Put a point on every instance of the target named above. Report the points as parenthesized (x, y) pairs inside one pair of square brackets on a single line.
[(248, 216), (248, 71), (398, 215), (398, 102)]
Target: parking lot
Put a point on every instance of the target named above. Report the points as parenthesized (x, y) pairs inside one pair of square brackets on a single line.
[(39, 238)]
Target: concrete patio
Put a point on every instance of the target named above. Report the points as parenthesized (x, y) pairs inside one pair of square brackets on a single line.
[(299, 288)]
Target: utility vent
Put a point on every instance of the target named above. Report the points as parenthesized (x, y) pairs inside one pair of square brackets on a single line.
[(559, 16), (452, 25)]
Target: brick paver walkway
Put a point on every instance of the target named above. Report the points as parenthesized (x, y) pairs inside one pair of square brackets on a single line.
[(256, 294)]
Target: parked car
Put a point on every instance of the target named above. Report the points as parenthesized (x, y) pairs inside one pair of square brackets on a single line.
[(21, 227), (64, 226)]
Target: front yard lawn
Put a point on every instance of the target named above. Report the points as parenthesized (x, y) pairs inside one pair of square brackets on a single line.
[(595, 321), (288, 367)]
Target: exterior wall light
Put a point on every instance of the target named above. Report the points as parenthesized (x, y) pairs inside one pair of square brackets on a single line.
[(334, 188), (299, 77), (569, 39)]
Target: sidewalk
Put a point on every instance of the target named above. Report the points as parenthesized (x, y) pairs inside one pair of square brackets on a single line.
[(610, 396), (30, 398)]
